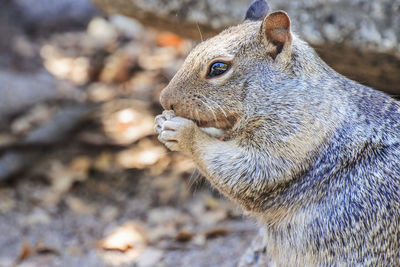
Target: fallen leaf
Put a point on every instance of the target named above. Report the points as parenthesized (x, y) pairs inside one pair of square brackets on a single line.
[(170, 187), (212, 203), (128, 125), (169, 39), (25, 251), (183, 164), (161, 232), (78, 206), (101, 92), (140, 158), (162, 57), (167, 215), (36, 217), (62, 177), (40, 113), (184, 236), (104, 162), (42, 248), (80, 165), (213, 217), (118, 66), (216, 232), (102, 30), (126, 237)]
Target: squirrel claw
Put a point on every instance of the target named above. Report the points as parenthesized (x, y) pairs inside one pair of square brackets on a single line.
[(162, 118), (173, 131)]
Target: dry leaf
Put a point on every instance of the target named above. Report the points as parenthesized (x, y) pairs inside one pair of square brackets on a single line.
[(184, 236), (102, 30), (41, 247), (169, 39), (182, 164), (25, 251), (162, 57), (104, 162), (63, 177), (118, 67), (40, 113), (160, 166), (170, 187), (75, 70), (216, 232), (80, 165), (126, 237), (79, 206), (160, 232), (167, 215), (140, 158), (128, 125), (212, 203), (213, 217), (100, 92), (36, 217)]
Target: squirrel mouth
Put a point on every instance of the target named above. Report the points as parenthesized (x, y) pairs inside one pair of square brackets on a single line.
[(223, 124)]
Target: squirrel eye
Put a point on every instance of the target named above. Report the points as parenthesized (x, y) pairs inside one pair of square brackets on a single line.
[(217, 68)]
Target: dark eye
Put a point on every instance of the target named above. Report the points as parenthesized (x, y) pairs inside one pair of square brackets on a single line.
[(217, 68)]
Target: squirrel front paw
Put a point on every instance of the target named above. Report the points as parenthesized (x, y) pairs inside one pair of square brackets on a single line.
[(176, 133)]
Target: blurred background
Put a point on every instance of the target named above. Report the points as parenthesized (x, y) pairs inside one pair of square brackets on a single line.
[(83, 179)]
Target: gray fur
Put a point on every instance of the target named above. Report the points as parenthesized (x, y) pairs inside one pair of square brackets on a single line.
[(311, 154)]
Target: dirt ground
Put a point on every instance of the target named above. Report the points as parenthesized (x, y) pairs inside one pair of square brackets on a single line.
[(83, 179), (121, 219)]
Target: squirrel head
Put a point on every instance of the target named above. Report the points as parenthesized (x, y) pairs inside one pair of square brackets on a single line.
[(267, 90), (215, 78)]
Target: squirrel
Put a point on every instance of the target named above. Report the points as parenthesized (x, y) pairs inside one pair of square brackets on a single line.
[(314, 156)]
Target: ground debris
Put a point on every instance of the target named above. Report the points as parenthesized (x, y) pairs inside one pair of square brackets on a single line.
[(128, 236), (85, 180)]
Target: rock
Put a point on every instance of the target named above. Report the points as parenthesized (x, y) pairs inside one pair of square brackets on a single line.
[(48, 15), (18, 92), (358, 38), (194, 19)]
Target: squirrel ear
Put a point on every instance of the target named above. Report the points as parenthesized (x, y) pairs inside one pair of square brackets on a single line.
[(276, 27), (257, 10)]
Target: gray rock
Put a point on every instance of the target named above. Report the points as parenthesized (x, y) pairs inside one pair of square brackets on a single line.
[(359, 38), (19, 92), (185, 17), (47, 15)]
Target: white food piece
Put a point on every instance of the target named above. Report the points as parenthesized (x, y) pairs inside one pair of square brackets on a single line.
[(169, 114), (214, 132)]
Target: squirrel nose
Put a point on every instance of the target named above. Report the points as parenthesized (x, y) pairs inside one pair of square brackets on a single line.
[(165, 101)]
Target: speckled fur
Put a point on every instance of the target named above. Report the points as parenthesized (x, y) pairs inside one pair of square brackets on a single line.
[(311, 154)]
